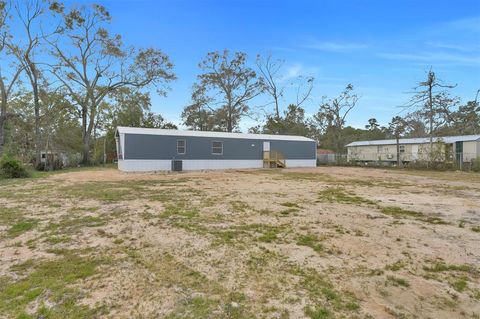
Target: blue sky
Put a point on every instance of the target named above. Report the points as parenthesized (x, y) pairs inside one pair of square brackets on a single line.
[(382, 47)]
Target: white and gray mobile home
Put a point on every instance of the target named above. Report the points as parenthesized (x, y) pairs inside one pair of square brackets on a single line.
[(146, 149), (463, 148)]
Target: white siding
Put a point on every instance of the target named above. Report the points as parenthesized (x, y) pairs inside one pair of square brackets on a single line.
[(193, 165), (189, 165), (300, 163), (144, 165)]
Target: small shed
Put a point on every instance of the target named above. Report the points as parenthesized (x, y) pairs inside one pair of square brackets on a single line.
[(325, 156), (147, 149)]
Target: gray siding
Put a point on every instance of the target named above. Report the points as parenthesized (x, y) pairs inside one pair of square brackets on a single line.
[(143, 146)]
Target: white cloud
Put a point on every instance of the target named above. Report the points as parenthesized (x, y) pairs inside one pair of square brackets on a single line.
[(434, 57), (451, 46), (467, 24), (294, 71), (335, 46)]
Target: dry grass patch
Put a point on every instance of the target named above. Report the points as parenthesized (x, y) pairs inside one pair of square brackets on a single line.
[(306, 243)]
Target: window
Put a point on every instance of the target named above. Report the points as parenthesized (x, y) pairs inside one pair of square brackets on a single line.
[(181, 146), (402, 148), (217, 148)]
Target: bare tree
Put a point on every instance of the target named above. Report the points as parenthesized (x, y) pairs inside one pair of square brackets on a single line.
[(10, 72), (333, 113), (29, 12), (91, 63), (272, 77), (270, 71), (432, 99), (226, 87)]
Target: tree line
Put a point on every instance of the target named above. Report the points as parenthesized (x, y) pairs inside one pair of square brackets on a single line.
[(66, 82)]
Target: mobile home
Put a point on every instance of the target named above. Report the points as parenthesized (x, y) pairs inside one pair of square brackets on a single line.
[(145, 149), (464, 148)]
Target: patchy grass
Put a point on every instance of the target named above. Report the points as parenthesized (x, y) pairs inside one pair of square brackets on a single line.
[(396, 266), (49, 283), (179, 210), (290, 205), (101, 191), (155, 190), (443, 267), (324, 298), (238, 253), (21, 227), (9, 215), (288, 211), (71, 224), (196, 307), (396, 281), (311, 241), (399, 213), (53, 240), (340, 195), (460, 284), (318, 312), (211, 300), (240, 206)]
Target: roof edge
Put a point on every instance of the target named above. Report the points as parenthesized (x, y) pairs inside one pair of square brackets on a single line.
[(417, 140), (170, 132)]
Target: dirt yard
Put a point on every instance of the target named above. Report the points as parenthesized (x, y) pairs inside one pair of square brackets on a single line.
[(294, 243)]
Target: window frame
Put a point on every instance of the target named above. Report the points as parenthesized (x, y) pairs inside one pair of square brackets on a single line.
[(213, 147), (184, 146)]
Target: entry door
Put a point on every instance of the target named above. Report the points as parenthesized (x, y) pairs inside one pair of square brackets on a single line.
[(459, 151), (266, 146), (414, 152)]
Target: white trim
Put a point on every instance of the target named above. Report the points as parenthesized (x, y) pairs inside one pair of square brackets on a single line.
[(191, 165), (122, 144), (184, 146), (217, 147), (154, 131)]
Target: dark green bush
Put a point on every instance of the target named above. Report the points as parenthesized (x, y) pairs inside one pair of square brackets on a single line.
[(12, 168)]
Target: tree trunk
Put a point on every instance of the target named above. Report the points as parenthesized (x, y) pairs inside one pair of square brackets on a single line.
[(398, 150), (229, 121), (2, 134), (3, 115), (38, 139), (86, 150), (277, 110), (85, 138), (87, 127)]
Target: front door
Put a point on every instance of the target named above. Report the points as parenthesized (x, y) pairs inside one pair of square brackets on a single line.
[(459, 152), (266, 146), (414, 152)]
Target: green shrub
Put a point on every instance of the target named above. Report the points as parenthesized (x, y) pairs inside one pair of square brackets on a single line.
[(12, 168)]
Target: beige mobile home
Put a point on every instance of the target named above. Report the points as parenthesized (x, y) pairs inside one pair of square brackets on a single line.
[(463, 148)]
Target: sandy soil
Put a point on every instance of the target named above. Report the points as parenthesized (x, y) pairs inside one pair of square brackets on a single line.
[(156, 242)]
